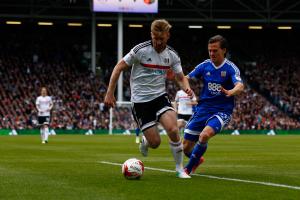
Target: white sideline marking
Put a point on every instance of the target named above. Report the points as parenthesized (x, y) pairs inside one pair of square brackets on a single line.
[(216, 177)]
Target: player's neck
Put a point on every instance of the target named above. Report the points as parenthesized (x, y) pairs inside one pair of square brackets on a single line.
[(219, 63), (159, 50)]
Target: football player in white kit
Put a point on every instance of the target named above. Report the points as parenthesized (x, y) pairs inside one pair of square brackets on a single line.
[(184, 106), (149, 62), (44, 105)]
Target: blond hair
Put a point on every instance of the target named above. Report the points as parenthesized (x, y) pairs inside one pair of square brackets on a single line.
[(160, 25)]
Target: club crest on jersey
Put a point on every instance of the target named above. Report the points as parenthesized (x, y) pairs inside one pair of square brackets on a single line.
[(223, 73), (166, 60), (149, 60), (208, 74)]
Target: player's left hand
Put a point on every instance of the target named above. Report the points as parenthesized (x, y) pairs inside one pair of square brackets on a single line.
[(228, 93), (190, 92)]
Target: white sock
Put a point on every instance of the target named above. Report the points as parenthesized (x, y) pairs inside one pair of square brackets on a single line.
[(177, 151), (46, 133), (42, 134), (145, 141)]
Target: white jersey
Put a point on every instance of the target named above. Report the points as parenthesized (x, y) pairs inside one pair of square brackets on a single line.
[(149, 69), (44, 105), (184, 103)]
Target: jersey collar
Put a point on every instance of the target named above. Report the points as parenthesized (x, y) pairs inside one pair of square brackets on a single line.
[(218, 67)]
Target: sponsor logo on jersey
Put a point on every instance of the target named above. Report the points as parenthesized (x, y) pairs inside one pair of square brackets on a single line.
[(214, 88)]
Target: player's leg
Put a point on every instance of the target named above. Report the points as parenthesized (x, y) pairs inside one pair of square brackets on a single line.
[(169, 120), (145, 116), (213, 126), (46, 128), (137, 135), (199, 149), (151, 138), (188, 146), (41, 121), (181, 124), (46, 133), (192, 132), (42, 132)]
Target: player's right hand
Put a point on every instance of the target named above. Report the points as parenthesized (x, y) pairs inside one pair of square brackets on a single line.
[(110, 100), (190, 92)]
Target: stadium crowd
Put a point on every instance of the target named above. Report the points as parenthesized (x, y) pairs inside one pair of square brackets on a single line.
[(278, 80), (268, 102)]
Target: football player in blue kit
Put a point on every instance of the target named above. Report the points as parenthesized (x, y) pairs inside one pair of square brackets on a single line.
[(222, 82)]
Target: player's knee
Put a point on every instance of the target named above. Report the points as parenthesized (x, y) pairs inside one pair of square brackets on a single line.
[(172, 130), (154, 143), (205, 136)]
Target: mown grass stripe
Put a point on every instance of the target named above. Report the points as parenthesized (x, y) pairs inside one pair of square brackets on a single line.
[(216, 177)]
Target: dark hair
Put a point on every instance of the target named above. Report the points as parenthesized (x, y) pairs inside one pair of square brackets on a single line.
[(219, 38)]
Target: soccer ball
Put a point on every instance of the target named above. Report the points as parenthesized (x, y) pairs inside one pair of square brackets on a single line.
[(133, 168)]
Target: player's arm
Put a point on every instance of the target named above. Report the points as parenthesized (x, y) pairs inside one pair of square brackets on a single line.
[(238, 84), (51, 105), (37, 105), (110, 99), (184, 84), (238, 88)]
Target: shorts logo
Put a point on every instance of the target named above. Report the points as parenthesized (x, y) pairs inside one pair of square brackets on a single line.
[(168, 99), (226, 118), (140, 121)]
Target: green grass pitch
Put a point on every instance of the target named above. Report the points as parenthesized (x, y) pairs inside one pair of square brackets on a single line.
[(69, 167)]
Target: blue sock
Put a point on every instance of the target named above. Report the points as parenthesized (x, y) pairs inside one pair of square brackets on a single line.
[(198, 151), (137, 131)]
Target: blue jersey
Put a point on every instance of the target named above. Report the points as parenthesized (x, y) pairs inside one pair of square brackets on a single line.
[(226, 75)]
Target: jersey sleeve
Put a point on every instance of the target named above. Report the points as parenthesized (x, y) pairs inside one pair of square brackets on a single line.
[(131, 57), (37, 102), (197, 72), (176, 64), (235, 75)]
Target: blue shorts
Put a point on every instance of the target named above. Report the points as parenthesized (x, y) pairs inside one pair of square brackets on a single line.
[(201, 119)]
